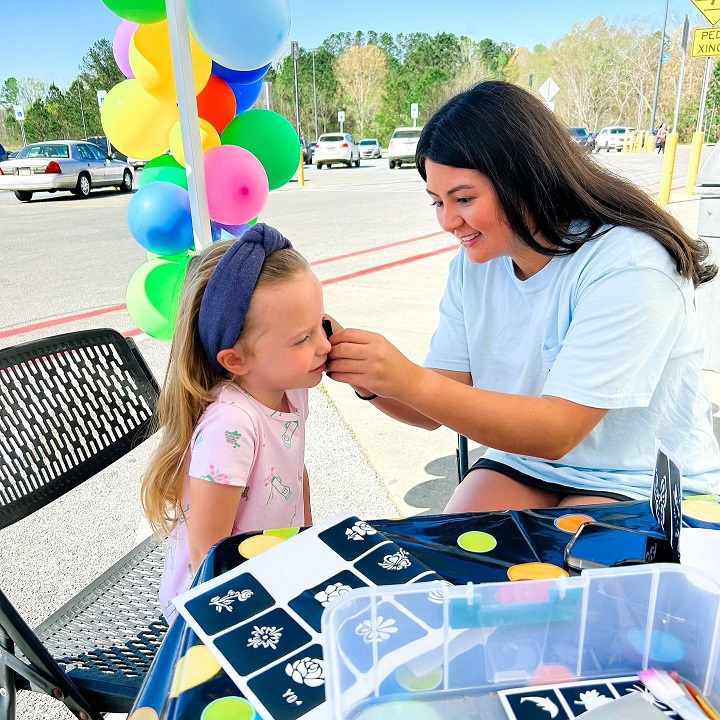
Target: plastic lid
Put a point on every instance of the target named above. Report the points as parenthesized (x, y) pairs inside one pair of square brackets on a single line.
[(710, 170)]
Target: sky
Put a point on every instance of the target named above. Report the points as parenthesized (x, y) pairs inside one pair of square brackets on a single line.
[(48, 38)]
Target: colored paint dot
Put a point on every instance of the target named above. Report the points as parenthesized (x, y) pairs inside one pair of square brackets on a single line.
[(477, 542), (399, 710), (229, 708), (535, 571), (283, 533), (143, 713), (571, 523), (194, 668), (252, 546), (702, 510), (664, 647), (549, 674), (408, 680)]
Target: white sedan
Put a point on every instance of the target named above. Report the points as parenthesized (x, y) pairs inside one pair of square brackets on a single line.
[(63, 165)]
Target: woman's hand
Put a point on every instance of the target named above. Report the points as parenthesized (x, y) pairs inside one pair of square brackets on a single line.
[(370, 363)]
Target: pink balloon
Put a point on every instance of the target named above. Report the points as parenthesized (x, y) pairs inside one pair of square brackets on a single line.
[(236, 184), (121, 44)]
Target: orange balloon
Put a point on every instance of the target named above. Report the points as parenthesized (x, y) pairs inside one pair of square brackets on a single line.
[(216, 103)]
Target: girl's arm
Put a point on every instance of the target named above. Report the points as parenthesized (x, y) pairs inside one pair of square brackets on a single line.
[(214, 507), (547, 427), (306, 497)]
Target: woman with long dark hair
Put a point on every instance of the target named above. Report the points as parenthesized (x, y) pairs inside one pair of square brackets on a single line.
[(568, 341)]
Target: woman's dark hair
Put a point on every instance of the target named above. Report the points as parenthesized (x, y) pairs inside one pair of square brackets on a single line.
[(542, 177)]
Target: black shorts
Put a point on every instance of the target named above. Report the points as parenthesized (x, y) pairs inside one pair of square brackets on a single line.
[(534, 482)]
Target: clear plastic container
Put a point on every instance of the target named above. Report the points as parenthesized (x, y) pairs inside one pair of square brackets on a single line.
[(434, 650)]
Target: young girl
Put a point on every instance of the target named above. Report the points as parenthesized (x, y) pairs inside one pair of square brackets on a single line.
[(248, 344)]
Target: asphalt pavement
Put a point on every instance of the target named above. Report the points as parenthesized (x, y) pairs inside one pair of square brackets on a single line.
[(372, 239)]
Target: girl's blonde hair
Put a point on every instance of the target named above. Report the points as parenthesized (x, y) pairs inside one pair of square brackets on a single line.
[(189, 381)]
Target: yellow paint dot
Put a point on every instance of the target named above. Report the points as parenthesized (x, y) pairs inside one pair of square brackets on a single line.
[(283, 533), (194, 668), (570, 523), (143, 713), (702, 510), (535, 571), (408, 680), (256, 544), (477, 542)]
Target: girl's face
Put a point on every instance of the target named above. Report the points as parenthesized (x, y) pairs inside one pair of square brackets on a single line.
[(286, 338), (467, 206)]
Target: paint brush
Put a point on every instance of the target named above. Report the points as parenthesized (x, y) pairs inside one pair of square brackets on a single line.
[(667, 691), (699, 699)]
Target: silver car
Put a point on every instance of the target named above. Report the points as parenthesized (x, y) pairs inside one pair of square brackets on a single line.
[(370, 148), (63, 165)]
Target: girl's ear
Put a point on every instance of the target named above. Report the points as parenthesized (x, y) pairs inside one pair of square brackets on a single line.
[(232, 360)]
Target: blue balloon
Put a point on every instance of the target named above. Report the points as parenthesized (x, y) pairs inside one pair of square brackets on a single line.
[(246, 95), (240, 35), (240, 77), (159, 218)]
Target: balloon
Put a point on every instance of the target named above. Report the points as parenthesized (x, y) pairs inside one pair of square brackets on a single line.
[(234, 231), (178, 257), (159, 218), (246, 94), (240, 35), (209, 138), (237, 186), (139, 11), (216, 103), (151, 61), (239, 76), (271, 138), (121, 45), (153, 294), (163, 168), (137, 123)]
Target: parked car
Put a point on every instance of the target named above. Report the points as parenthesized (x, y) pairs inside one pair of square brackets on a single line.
[(370, 148), (307, 151), (402, 146), (591, 140), (580, 136), (63, 165), (332, 148), (12, 154), (3, 153), (136, 163), (104, 144), (612, 138)]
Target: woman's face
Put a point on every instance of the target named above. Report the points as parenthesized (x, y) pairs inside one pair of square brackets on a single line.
[(467, 206)]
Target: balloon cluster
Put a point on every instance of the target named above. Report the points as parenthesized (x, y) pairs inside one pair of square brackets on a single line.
[(246, 152)]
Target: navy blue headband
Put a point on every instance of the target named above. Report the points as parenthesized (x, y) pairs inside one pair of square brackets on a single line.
[(230, 287)]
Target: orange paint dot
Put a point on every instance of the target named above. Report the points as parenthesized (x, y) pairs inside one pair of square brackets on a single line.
[(548, 674), (571, 523), (535, 571)]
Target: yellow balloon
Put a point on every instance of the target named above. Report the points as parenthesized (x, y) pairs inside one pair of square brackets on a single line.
[(137, 123), (209, 138), (151, 61)]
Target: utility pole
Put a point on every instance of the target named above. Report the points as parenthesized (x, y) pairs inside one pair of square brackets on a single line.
[(314, 95), (686, 30), (82, 111), (659, 67), (295, 52)]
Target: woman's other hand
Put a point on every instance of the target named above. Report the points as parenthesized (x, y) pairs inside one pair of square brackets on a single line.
[(370, 363)]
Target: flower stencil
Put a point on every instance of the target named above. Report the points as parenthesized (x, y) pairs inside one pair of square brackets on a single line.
[(380, 631), (359, 530), (265, 636), (331, 592), (308, 671), (396, 561)]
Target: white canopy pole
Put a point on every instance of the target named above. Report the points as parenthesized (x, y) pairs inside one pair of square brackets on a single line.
[(189, 124)]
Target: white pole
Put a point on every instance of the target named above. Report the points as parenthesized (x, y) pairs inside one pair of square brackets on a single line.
[(315, 96), (703, 96), (683, 45), (189, 123), (659, 68)]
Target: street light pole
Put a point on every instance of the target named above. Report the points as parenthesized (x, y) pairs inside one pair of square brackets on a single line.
[(659, 67), (315, 95), (82, 111)]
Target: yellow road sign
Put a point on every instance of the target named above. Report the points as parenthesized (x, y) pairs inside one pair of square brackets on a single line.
[(706, 42), (709, 8)]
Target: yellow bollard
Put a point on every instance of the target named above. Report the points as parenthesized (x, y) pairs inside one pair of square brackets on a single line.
[(625, 147), (694, 162), (649, 142), (668, 167), (301, 170)]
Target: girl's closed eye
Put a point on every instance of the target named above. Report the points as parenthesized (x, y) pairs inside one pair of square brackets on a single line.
[(303, 341)]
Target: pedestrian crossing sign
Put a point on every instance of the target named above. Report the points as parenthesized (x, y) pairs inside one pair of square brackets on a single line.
[(709, 8)]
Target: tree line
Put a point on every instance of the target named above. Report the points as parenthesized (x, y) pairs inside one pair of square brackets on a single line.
[(605, 72)]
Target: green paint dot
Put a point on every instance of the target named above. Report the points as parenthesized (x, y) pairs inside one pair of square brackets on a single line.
[(229, 708), (477, 542), (285, 533), (399, 710), (408, 680)]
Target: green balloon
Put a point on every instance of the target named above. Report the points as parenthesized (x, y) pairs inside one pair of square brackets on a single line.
[(139, 11), (164, 160), (179, 257), (164, 168), (270, 138), (153, 294)]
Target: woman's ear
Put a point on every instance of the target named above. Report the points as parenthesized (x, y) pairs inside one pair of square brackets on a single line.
[(233, 360)]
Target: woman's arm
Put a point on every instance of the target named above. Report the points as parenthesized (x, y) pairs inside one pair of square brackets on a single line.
[(306, 497), (214, 507), (546, 427)]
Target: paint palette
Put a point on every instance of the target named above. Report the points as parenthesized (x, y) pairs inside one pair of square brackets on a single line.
[(261, 620)]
